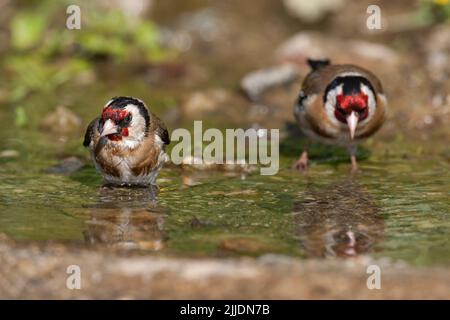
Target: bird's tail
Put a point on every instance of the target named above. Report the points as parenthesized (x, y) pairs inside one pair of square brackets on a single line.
[(318, 64)]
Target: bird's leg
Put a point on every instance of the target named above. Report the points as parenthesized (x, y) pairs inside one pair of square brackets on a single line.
[(302, 162), (153, 192), (354, 163), (352, 151)]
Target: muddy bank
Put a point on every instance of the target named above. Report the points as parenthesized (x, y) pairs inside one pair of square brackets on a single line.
[(40, 272)]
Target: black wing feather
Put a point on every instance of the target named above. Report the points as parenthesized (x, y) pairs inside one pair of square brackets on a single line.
[(163, 134), (90, 132), (161, 129)]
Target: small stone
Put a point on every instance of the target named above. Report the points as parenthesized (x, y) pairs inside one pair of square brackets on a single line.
[(190, 181), (9, 154), (374, 51), (303, 45), (67, 166), (243, 245), (132, 9), (201, 102), (437, 48), (257, 82), (312, 11), (316, 45), (62, 121), (4, 237), (240, 166), (198, 163), (151, 245)]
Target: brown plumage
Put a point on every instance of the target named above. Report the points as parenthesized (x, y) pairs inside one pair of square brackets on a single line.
[(127, 143), (339, 105)]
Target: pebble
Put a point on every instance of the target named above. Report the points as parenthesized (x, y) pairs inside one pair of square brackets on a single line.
[(201, 102), (67, 166), (257, 82), (316, 45), (9, 154), (240, 244), (312, 11), (62, 121)]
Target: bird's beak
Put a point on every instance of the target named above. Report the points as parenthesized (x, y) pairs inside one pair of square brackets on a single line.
[(352, 122), (109, 128)]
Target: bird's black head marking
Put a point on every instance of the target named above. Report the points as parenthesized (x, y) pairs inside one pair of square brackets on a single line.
[(351, 85), (122, 102)]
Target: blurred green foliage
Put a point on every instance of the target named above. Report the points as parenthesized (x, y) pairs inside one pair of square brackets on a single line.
[(43, 53), (27, 29), (21, 117), (434, 11)]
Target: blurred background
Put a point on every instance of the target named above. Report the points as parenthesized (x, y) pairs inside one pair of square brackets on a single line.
[(189, 59), (232, 64)]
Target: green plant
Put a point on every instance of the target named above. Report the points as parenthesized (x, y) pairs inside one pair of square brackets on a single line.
[(434, 11), (44, 54)]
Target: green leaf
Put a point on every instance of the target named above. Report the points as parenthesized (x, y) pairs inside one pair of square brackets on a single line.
[(21, 117), (27, 29)]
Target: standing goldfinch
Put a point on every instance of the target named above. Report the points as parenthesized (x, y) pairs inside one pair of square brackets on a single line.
[(127, 143), (339, 105)]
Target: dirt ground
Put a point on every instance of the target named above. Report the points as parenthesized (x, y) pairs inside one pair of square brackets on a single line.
[(40, 272)]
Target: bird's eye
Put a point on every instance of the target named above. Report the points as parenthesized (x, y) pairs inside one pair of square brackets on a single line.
[(128, 118), (341, 111)]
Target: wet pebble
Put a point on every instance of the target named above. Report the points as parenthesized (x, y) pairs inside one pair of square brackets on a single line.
[(67, 166), (61, 121), (197, 163), (243, 245), (151, 245), (257, 82), (208, 101), (437, 48), (9, 154), (316, 45), (4, 237), (312, 11)]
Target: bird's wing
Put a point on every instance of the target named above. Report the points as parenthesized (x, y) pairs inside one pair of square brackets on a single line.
[(147, 156), (161, 130), (90, 132)]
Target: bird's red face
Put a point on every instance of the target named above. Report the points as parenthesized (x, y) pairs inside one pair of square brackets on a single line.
[(346, 104), (115, 123)]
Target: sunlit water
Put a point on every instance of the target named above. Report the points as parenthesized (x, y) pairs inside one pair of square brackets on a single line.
[(397, 208), (398, 205)]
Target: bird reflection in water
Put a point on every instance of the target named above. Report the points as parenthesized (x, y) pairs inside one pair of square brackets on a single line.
[(124, 218), (338, 220)]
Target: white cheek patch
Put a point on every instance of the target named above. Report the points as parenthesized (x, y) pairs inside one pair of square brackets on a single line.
[(331, 103), (371, 102), (136, 130)]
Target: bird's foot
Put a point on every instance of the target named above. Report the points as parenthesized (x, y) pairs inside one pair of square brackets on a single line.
[(302, 163), (355, 168)]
